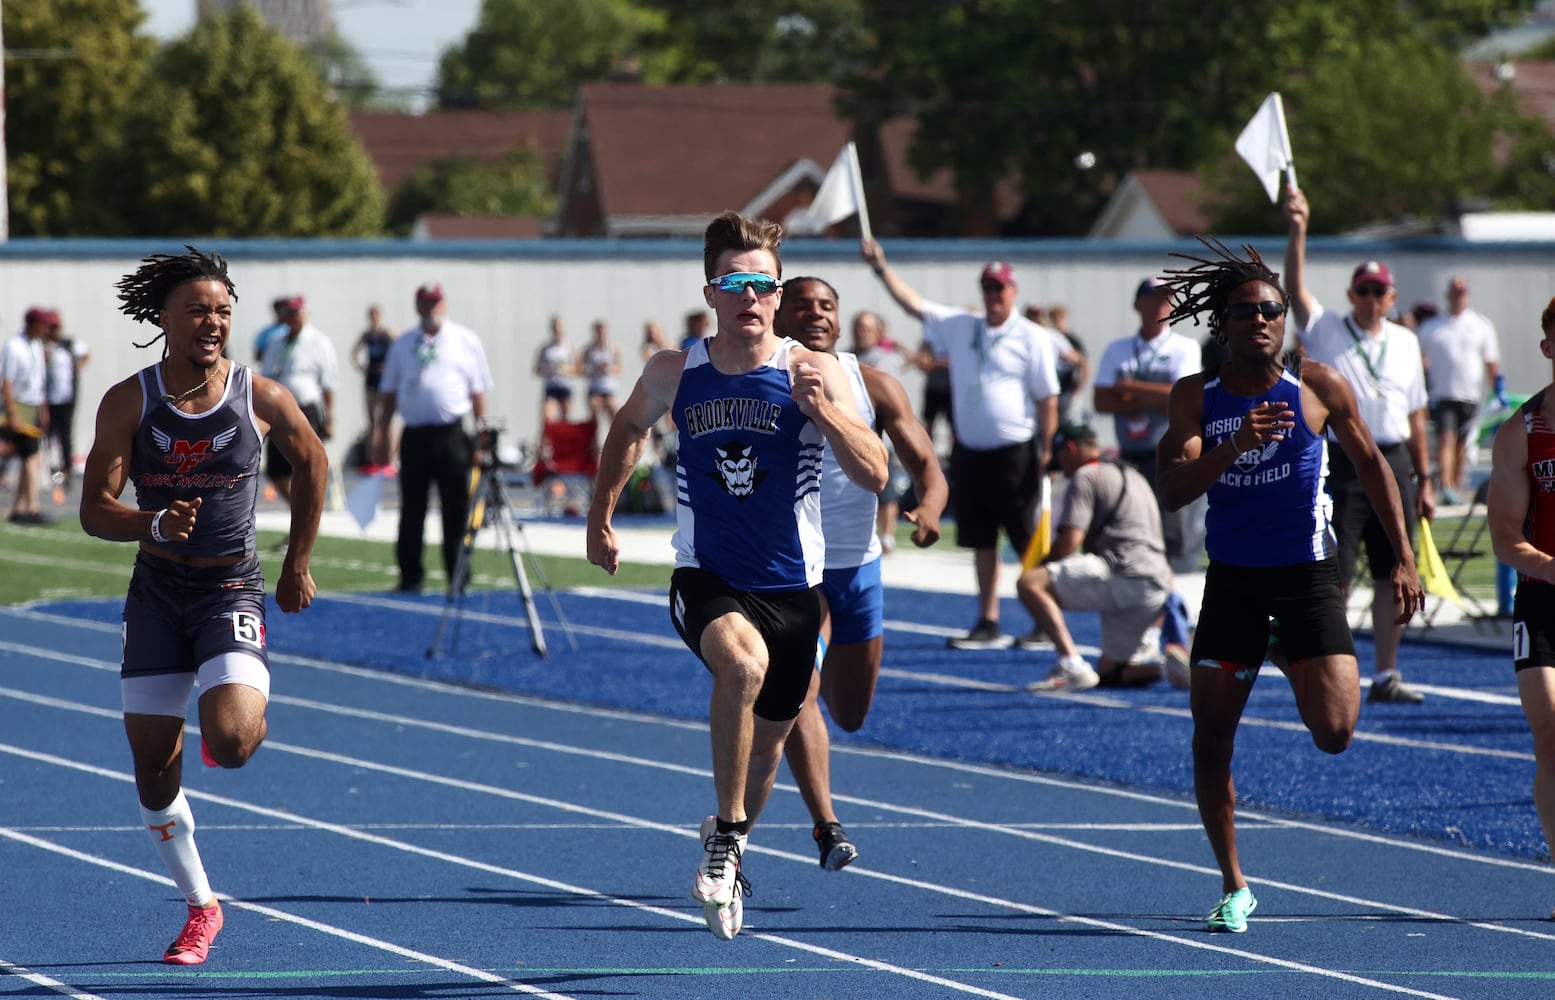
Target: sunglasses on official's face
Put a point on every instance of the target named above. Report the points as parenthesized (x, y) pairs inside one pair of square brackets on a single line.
[(992, 288), (1268, 309), (1374, 291), (736, 283)]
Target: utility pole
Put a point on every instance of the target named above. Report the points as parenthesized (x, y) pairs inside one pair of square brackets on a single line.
[(5, 195)]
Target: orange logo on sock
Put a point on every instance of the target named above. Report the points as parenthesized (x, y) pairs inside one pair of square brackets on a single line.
[(165, 829)]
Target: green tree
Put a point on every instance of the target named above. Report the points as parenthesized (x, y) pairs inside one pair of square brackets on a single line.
[(235, 134), (515, 185), (345, 71), (71, 70), (1360, 150), (1008, 87), (535, 53), (787, 41)]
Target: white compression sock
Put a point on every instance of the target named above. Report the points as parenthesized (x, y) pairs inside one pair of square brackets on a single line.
[(172, 833)]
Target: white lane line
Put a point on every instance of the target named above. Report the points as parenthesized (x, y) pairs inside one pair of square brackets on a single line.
[(643, 824), (981, 770), (39, 979), (446, 965), (461, 861), (487, 618)]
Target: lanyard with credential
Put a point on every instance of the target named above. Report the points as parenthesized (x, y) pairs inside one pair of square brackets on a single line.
[(1141, 369), (1360, 348), (983, 344)]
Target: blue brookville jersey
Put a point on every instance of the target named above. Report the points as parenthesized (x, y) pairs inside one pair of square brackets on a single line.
[(1270, 508), (748, 471), (215, 455)]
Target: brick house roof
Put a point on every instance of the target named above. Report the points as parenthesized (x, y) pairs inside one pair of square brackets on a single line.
[(664, 156), (661, 160), (399, 143)]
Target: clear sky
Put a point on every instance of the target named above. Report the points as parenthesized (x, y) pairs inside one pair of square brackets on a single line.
[(400, 39)]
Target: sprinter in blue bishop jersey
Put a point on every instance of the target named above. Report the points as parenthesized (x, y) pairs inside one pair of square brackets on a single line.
[(753, 410), (1273, 493), (1251, 435)]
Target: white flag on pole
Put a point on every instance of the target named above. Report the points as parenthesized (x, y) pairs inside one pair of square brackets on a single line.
[(1265, 145), (841, 194), (363, 499)]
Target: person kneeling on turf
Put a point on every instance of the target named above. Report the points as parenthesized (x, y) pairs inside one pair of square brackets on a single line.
[(1108, 556)]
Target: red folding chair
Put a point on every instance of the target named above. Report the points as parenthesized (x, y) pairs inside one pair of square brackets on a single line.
[(566, 465)]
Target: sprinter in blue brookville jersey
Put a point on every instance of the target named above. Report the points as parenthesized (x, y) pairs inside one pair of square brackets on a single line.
[(752, 411), (1252, 436)]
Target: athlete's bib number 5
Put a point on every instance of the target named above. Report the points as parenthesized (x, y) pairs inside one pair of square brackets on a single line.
[(249, 628)]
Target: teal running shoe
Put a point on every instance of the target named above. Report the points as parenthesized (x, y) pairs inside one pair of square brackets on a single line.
[(1231, 913)]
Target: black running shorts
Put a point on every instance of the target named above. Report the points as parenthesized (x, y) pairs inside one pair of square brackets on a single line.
[(788, 620), (1239, 601)]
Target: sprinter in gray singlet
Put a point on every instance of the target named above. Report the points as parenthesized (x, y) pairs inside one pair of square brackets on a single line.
[(188, 432)]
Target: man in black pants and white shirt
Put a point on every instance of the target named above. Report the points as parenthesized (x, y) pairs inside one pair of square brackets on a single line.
[(435, 375), (1004, 397), (1381, 361)]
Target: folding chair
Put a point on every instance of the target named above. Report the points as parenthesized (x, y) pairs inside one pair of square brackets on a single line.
[(565, 466)]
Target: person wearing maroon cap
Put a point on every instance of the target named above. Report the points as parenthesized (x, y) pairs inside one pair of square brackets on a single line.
[(1381, 361), (23, 390), (434, 376), (1004, 397)]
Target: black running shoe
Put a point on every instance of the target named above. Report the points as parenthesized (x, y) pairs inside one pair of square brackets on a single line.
[(984, 635), (837, 851)]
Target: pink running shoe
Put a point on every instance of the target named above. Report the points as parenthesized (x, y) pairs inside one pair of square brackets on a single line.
[(195, 942), (205, 754)]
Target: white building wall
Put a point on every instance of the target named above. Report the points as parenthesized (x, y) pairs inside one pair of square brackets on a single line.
[(506, 292)]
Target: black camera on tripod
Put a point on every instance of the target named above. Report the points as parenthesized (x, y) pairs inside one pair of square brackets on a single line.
[(487, 435)]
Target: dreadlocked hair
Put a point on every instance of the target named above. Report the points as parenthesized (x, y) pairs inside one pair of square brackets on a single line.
[(143, 294), (1204, 287)]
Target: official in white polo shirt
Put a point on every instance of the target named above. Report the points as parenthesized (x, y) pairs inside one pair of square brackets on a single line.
[(435, 375), (1004, 396), (1381, 361)]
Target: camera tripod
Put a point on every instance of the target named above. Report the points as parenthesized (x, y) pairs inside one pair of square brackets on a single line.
[(489, 504)]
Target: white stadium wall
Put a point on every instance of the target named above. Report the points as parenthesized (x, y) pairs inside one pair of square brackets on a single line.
[(507, 291)]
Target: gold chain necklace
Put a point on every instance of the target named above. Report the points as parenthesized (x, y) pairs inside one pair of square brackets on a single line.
[(175, 400)]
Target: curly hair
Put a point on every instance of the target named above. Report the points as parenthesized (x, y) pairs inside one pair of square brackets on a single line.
[(1203, 288), (143, 294)]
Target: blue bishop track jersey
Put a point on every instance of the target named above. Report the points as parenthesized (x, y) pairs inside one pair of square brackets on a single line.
[(1270, 508), (748, 472), (215, 455)]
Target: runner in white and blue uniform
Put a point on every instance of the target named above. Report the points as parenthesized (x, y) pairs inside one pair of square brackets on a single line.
[(1250, 435), (853, 597), (752, 410), (748, 477)]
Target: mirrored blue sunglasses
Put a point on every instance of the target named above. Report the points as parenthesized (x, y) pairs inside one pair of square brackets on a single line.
[(761, 284)]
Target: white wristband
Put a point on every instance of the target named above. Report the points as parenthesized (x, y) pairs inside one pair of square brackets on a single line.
[(156, 526)]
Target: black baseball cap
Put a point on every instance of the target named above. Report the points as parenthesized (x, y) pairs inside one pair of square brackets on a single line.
[(1077, 432)]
